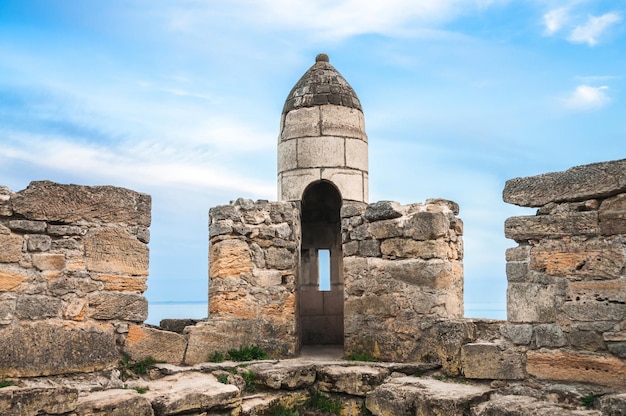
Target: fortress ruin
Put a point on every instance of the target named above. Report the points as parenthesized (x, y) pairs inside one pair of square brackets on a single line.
[(74, 266)]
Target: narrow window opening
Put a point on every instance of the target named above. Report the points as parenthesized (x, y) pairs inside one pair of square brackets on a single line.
[(324, 269)]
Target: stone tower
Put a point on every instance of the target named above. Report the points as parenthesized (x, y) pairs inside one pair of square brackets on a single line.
[(322, 162)]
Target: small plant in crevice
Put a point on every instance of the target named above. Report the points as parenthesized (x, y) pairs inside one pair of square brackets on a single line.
[(129, 367), (589, 400), (141, 390), (364, 411), (249, 353), (5, 383), (223, 378), (323, 403), (280, 410), (217, 357), (361, 356), (248, 377)]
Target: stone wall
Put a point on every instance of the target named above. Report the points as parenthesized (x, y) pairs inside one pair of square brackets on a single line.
[(402, 269), (253, 262), (567, 277), (73, 267)]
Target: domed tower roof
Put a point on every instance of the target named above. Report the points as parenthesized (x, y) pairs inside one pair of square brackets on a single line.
[(322, 137), (321, 84)]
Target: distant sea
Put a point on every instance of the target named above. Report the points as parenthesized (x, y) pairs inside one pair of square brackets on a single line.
[(199, 310)]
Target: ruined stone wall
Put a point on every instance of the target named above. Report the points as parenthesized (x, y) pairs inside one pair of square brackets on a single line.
[(402, 269), (253, 262), (73, 267), (567, 277)]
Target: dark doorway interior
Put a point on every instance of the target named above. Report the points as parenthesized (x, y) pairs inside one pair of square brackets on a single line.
[(321, 269)]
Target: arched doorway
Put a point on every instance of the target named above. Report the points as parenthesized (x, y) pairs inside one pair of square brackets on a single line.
[(321, 269)]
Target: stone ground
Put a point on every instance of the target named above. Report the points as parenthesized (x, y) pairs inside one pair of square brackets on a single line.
[(257, 388)]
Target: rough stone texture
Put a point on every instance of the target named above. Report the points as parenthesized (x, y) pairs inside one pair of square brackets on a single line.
[(284, 375), (612, 215), (49, 201), (601, 369), (55, 347), (114, 402), (522, 229), (194, 392), (142, 342), (73, 267), (410, 396), (489, 361), (526, 406), (177, 325), (353, 380), (15, 401), (613, 404), (575, 184)]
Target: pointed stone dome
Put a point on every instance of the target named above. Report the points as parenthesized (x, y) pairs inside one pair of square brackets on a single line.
[(321, 84)]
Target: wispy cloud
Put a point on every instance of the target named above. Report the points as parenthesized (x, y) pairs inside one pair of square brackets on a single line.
[(555, 19), (594, 28), (586, 97)]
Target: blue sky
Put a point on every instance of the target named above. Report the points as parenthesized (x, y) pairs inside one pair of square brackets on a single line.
[(182, 100)]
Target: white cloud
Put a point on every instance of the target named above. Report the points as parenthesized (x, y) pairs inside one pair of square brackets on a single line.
[(586, 97), (594, 28), (555, 19)]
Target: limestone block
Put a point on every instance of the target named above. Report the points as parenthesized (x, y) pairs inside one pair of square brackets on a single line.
[(369, 248), (353, 209), (6, 209), (266, 278), (342, 121), (191, 393), (11, 248), (48, 261), (27, 226), (230, 257), (76, 309), (596, 300), (357, 154), (7, 309), (382, 210), (349, 182), (66, 283), (531, 302), (432, 274), (66, 230), (519, 334), (287, 155), (601, 369), (386, 229), (549, 335), (280, 258), (117, 305), (177, 325), (56, 347), (38, 242), (19, 401), (525, 406), (353, 380), (302, 122), (613, 404), (488, 361), (10, 280), (216, 335), (517, 271), (577, 183), (291, 185), (224, 212), (519, 253), (114, 402), (35, 307), (427, 225), (408, 396), (113, 250), (49, 201), (407, 248), (613, 215), (588, 340), (116, 283), (551, 226), (316, 152), (284, 375), (596, 259), (142, 342)]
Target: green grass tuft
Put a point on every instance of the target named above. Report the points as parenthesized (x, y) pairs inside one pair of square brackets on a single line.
[(217, 357), (5, 383), (323, 403), (137, 367), (363, 356), (589, 400), (223, 378), (248, 377), (247, 354)]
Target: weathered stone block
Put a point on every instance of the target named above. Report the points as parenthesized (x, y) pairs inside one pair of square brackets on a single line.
[(284, 375), (519, 253), (382, 210), (356, 154), (578, 183), (6, 209), (292, 183), (38, 242), (113, 250), (352, 184), (520, 334), (56, 347), (386, 229), (115, 305), (224, 212), (16, 401), (142, 342), (116, 283), (549, 335), (48, 261), (302, 122), (488, 361), (280, 258), (531, 302), (613, 215), (613, 404), (229, 258), (353, 380), (10, 248), (114, 402), (596, 300), (525, 406), (287, 155), (551, 226), (517, 271), (596, 259), (328, 151), (369, 248), (427, 225), (35, 307), (66, 230), (599, 369), (11, 279), (27, 226), (405, 248), (338, 120), (49, 201), (7, 309)]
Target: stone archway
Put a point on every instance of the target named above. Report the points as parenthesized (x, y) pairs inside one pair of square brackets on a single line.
[(321, 268)]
